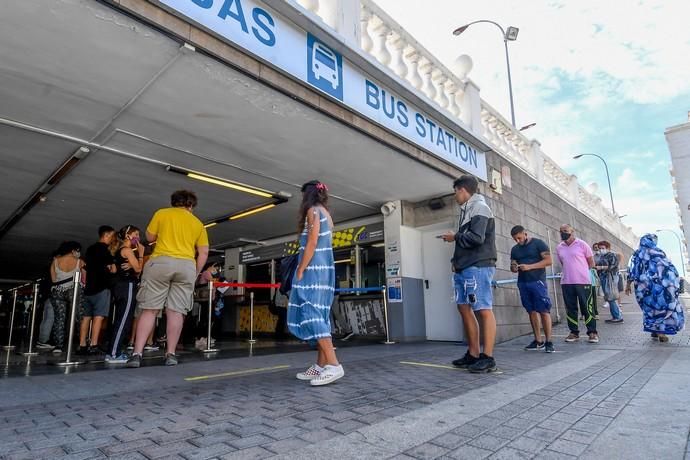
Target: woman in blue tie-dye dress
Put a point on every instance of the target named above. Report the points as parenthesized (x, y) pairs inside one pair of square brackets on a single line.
[(313, 286)]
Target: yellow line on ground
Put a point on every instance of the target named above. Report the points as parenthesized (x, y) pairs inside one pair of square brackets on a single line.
[(235, 373), (440, 366)]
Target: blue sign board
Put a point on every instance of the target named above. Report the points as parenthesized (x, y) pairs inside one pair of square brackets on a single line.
[(259, 30)]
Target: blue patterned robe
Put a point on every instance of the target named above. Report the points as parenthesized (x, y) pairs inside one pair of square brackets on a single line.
[(309, 309), (657, 286)]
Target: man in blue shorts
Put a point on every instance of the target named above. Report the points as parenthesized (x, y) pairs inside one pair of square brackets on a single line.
[(529, 259), (474, 266)]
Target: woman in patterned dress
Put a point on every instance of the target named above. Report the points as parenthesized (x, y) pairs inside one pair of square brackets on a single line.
[(657, 286), (313, 285)]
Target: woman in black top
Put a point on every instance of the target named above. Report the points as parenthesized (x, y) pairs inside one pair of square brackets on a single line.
[(129, 262)]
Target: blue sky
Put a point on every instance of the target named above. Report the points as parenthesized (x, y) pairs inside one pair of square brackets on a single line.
[(597, 77)]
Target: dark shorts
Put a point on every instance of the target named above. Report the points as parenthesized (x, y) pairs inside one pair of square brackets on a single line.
[(97, 304), (535, 296)]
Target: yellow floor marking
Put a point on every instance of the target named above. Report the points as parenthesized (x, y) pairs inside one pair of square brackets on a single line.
[(440, 366), (235, 373)]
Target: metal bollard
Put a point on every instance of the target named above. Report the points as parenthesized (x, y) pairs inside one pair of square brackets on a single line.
[(385, 316), (9, 345), (210, 312), (251, 318), (75, 294), (33, 323), (553, 279)]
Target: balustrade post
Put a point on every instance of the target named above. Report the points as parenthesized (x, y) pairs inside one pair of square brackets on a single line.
[(426, 68), (380, 50), (439, 80), (310, 5), (398, 65), (413, 75), (452, 91)]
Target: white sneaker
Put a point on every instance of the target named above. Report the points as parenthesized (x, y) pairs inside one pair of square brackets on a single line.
[(151, 348), (329, 375), (311, 373)]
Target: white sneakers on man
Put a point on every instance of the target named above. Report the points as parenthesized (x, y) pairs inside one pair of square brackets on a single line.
[(329, 374)]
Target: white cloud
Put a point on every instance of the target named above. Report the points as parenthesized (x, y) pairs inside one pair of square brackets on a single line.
[(610, 52)]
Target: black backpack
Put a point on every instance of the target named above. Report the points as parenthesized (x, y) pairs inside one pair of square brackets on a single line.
[(288, 267)]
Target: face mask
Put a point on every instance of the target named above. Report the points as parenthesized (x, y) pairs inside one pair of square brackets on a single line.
[(76, 254), (565, 236), (134, 241), (603, 251)]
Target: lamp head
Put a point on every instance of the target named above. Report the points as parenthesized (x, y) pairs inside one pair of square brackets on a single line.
[(577, 156), (512, 33), (460, 30)]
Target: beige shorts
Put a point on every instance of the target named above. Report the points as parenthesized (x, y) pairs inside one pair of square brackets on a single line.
[(167, 282)]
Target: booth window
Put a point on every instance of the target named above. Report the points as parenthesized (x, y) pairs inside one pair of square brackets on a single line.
[(260, 273)]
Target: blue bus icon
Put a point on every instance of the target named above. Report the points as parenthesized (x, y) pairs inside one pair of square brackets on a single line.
[(324, 67)]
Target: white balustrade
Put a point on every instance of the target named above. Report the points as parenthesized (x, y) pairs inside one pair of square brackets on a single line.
[(457, 96)]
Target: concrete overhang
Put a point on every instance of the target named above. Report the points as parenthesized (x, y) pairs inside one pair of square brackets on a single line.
[(94, 75)]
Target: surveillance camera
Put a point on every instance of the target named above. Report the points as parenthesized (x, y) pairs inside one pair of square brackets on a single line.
[(388, 208)]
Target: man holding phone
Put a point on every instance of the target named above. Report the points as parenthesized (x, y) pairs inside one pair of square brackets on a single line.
[(474, 266), (529, 259)]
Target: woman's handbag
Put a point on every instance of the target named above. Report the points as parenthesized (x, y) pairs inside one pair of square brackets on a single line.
[(288, 267)]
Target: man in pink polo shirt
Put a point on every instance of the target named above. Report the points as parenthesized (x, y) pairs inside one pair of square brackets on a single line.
[(576, 258)]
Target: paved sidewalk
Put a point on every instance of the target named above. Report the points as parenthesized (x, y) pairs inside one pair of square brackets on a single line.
[(625, 397)]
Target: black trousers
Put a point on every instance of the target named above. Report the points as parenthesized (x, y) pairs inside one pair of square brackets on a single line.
[(581, 295), (125, 297)]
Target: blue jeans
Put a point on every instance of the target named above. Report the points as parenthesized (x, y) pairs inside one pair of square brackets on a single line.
[(473, 287), (615, 310)]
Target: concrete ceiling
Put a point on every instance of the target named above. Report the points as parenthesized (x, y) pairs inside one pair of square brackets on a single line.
[(81, 68)]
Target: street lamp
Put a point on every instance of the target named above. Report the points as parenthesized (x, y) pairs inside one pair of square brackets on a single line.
[(531, 125), (508, 35), (680, 246), (608, 177)]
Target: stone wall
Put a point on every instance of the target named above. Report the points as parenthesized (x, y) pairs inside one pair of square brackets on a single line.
[(535, 207)]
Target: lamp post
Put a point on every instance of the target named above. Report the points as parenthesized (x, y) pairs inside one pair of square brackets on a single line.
[(680, 246), (608, 177), (508, 35)]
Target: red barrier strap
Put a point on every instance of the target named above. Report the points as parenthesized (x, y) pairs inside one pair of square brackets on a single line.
[(248, 285)]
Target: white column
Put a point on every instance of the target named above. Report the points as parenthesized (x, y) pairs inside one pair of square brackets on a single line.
[(366, 41), (537, 161), (471, 112), (348, 20), (397, 44), (380, 50), (425, 68), (413, 69), (439, 80)]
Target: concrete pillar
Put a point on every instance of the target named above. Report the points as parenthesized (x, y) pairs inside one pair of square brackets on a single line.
[(537, 161), (344, 17), (472, 108), (403, 255), (574, 191)]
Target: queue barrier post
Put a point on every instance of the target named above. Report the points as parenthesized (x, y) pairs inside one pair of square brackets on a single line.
[(384, 291), (251, 318), (210, 313), (9, 345), (75, 297), (30, 352)]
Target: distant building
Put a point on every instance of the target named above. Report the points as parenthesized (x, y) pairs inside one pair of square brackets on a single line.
[(678, 139)]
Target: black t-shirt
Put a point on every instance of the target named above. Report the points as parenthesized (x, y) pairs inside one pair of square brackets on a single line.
[(122, 274), (97, 259), (530, 253)]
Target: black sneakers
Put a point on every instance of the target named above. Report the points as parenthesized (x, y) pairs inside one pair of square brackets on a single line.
[(483, 364), (534, 346), (548, 347), (134, 360), (465, 361)]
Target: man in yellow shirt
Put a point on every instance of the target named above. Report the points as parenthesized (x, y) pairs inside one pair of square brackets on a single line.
[(168, 277)]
